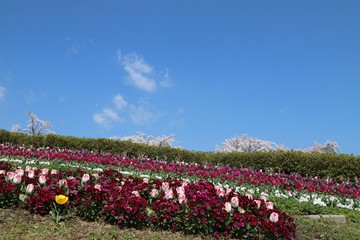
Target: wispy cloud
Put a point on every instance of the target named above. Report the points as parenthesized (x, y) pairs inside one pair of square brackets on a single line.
[(107, 117), (2, 92), (119, 102), (76, 45), (31, 96), (141, 113), (140, 73)]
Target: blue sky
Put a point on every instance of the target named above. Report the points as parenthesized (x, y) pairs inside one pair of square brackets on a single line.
[(204, 71)]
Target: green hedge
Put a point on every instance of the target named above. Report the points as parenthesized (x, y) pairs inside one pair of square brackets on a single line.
[(306, 164)]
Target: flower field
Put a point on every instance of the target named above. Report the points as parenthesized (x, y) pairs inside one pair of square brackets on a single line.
[(145, 193)]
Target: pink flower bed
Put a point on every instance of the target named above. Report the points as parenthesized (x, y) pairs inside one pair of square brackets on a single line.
[(170, 204), (239, 176)]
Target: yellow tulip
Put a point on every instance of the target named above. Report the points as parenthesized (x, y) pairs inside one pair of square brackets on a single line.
[(61, 199)]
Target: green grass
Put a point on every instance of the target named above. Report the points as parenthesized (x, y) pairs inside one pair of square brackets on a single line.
[(20, 224)]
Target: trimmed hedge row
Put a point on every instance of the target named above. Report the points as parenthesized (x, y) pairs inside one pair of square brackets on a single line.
[(319, 165)]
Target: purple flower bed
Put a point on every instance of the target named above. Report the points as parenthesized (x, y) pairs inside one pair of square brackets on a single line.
[(209, 172), (170, 204)]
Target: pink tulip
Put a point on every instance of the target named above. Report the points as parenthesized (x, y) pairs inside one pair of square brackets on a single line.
[(27, 168), (19, 172), (258, 202), (17, 179), (228, 191), (95, 175), (44, 171), (169, 194), (10, 175), (165, 186), (63, 182), (85, 178), (31, 174), (136, 193), (269, 205), (2, 172), (145, 180), (184, 184), (227, 207), (274, 217), (30, 188), (42, 179), (219, 191), (249, 196), (264, 198), (180, 190), (154, 193), (53, 172), (234, 202), (182, 198)]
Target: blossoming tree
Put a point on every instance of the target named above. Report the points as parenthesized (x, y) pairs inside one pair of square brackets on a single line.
[(327, 147), (140, 137), (244, 143), (35, 126)]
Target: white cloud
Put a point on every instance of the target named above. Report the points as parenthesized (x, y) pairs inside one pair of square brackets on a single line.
[(119, 102), (166, 81), (31, 96), (2, 92), (107, 117), (140, 73), (76, 45), (140, 115)]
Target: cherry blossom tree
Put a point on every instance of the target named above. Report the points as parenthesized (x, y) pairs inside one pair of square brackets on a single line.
[(35, 126), (244, 143), (327, 147), (141, 137)]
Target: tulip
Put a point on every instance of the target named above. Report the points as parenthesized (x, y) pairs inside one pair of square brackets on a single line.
[(136, 193), (63, 182), (165, 186), (274, 217), (44, 171), (10, 175), (227, 207), (182, 199), (258, 203), (16, 179), (42, 179), (19, 172), (269, 205), (85, 178), (29, 188), (154, 193), (169, 194), (31, 174), (234, 202), (180, 190), (61, 199)]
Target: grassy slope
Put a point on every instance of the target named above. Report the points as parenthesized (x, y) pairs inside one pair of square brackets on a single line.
[(19, 224)]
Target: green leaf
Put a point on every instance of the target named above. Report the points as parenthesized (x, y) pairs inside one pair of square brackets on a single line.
[(22, 197)]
